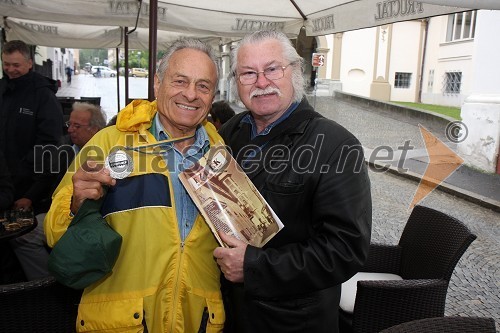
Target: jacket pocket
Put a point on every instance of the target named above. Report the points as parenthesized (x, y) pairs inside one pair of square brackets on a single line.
[(111, 316), (207, 311), (216, 316), (294, 315), (284, 188)]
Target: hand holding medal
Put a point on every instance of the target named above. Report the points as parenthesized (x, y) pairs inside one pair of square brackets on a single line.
[(88, 183)]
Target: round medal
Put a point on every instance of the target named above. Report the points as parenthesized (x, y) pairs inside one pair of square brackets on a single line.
[(119, 164)]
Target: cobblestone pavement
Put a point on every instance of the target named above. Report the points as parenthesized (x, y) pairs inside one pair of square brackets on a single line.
[(474, 287)]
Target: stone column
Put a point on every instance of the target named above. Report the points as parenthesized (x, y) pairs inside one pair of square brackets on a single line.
[(335, 83), (481, 110), (380, 88), (224, 70), (337, 56)]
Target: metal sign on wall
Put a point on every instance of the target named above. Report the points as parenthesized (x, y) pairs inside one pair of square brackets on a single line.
[(318, 59)]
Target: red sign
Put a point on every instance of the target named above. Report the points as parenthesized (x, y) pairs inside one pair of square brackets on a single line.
[(318, 59)]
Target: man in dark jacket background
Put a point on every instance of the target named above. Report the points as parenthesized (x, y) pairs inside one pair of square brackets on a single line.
[(30, 118), (30, 115), (311, 171)]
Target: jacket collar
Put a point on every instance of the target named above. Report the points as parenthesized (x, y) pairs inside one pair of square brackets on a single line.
[(282, 133), (138, 117)]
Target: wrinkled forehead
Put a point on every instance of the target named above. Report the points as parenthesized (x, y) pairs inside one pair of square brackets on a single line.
[(260, 53), (193, 64)]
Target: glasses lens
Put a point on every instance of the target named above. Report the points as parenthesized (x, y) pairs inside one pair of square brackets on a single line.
[(271, 73), (74, 125), (274, 73), (248, 78)]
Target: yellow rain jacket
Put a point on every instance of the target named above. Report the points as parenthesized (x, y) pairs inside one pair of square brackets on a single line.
[(172, 286)]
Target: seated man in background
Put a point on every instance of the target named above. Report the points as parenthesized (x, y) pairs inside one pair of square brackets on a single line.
[(85, 120), (220, 113)]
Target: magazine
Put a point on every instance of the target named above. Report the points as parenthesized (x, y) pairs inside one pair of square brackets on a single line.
[(228, 200)]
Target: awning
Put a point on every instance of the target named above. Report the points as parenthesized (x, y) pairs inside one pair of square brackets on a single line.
[(96, 23)]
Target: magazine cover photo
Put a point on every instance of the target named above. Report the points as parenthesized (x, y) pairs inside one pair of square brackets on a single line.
[(228, 200)]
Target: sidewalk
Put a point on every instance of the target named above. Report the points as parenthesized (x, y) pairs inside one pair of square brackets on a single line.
[(469, 184)]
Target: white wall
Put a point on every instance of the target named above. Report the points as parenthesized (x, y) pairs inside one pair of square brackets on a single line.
[(404, 58), (481, 110), (40, 55), (442, 57), (356, 73), (329, 57)]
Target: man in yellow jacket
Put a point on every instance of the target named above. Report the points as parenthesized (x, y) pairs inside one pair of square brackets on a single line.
[(165, 278)]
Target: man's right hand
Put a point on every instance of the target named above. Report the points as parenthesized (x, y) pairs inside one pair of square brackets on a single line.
[(87, 183)]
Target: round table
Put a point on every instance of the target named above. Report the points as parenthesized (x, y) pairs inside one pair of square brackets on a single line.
[(10, 234)]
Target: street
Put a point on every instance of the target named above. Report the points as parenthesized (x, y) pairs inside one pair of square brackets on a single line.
[(86, 85)]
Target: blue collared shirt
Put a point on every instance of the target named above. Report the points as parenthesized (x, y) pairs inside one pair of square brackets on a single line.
[(249, 119), (177, 162)]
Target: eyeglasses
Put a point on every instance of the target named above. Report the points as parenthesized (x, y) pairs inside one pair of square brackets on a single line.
[(75, 125), (270, 73)]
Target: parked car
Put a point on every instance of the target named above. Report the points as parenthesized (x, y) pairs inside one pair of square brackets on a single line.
[(139, 72), (88, 67), (105, 71)]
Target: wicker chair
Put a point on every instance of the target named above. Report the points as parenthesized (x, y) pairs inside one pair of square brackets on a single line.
[(430, 246), (446, 325), (38, 306)]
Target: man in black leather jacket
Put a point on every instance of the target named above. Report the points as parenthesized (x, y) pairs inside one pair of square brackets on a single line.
[(311, 171), (30, 115), (30, 118)]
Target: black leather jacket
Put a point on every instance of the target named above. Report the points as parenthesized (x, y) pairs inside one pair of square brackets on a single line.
[(30, 115), (311, 171)]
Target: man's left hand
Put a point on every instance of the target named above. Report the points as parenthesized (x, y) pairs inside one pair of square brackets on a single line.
[(230, 260)]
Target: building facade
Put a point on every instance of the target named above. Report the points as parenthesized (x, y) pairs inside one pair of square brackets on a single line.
[(445, 60)]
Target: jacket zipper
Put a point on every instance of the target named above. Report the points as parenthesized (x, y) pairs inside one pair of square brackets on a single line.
[(176, 288)]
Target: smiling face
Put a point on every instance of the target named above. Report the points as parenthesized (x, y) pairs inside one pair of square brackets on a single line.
[(15, 64), (187, 91), (267, 99)]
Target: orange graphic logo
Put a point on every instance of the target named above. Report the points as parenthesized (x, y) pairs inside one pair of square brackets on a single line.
[(442, 163)]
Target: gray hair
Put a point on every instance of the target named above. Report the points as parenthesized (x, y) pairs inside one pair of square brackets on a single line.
[(17, 46), (97, 116), (186, 43), (289, 54)]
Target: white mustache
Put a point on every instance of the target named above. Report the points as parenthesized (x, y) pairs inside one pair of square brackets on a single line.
[(268, 90)]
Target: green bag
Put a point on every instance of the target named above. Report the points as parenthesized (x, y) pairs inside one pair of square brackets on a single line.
[(88, 249)]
